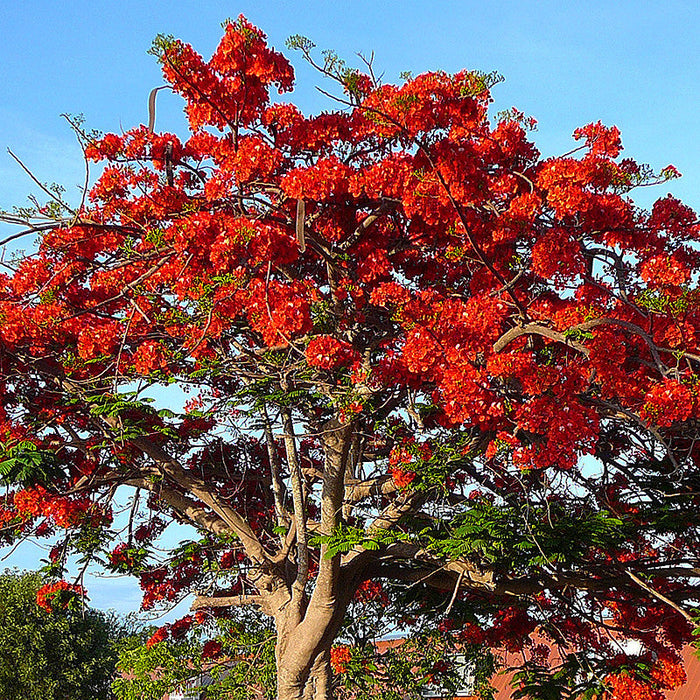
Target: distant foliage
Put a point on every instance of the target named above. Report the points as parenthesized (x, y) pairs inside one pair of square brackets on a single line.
[(52, 655)]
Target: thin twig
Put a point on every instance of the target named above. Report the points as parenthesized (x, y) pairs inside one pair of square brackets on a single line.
[(662, 597), (454, 593)]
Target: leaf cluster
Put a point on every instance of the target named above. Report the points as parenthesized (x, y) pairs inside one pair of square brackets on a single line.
[(27, 464), (519, 538)]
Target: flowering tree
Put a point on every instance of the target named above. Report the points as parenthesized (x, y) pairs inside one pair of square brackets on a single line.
[(420, 358)]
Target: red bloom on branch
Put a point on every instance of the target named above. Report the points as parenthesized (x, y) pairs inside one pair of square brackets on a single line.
[(403, 478), (150, 357), (371, 591), (600, 140), (181, 627), (58, 596), (667, 403), (160, 635), (212, 649), (665, 270), (340, 658), (326, 352)]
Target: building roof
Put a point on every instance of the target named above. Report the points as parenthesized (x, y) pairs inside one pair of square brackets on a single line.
[(691, 689)]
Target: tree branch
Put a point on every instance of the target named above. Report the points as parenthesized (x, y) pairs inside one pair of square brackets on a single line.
[(299, 500), (381, 486), (226, 601), (537, 329)]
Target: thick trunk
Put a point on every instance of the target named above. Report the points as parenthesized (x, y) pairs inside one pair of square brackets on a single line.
[(308, 624), (303, 651), (297, 680), (320, 683)]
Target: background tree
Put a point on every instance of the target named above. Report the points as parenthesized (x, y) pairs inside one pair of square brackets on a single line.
[(233, 659), (52, 654), (150, 671), (418, 354)]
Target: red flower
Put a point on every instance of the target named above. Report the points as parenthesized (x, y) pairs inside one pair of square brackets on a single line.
[(181, 627), (402, 478), (212, 649), (665, 270), (601, 140), (667, 403), (327, 352), (150, 357), (160, 635), (625, 687), (340, 658), (58, 596), (371, 591)]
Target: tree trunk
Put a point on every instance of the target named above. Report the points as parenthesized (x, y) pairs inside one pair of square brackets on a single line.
[(303, 651), (320, 683), (308, 624), (297, 680)]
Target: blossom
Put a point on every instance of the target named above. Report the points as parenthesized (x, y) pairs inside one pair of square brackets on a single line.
[(212, 649), (340, 658), (327, 352), (557, 256), (371, 591), (58, 596), (600, 140), (666, 403), (150, 357), (160, 635), (668, 673), (664, 270), (623, 686), (402, 477), (179, 628)]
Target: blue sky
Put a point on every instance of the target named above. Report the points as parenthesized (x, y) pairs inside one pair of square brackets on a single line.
[(633, 64)]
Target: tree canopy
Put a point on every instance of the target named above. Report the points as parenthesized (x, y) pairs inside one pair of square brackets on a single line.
[(423, 363), (50, 654)]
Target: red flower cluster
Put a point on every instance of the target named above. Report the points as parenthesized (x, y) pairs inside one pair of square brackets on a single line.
[(234, 84), (175, 630), (340, 658), (600, 140), (58, 596), (160, 635), (665, 675), (402, 478), (212, 649), (149, 357), (665, 270), (326, 352), (64, 511), (371, 591), (667, 403), (124, 558), (279, 311)]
